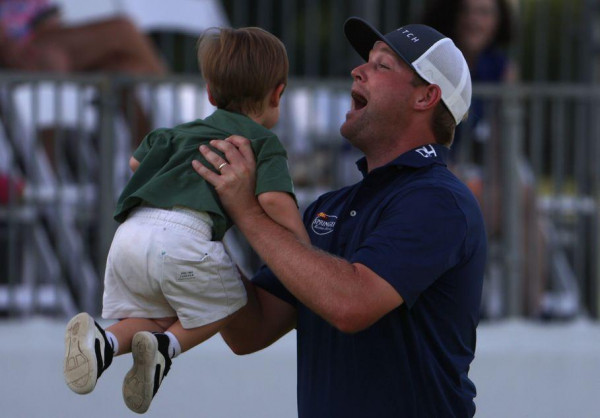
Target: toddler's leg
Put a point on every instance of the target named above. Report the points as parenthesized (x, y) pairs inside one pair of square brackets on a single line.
[(125, 329), (152, 354), (151, 363), (191, 337)]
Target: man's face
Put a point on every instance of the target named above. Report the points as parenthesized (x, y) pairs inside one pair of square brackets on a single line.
[(380, 96)]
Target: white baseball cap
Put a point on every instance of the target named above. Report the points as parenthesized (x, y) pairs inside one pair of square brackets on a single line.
[(432, 55)]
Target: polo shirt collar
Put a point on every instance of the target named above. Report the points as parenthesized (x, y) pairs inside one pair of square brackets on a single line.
[(221, 116), (422, 156), (230, 122)]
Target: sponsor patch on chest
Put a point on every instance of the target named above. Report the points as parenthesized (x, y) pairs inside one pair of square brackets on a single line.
[(323, 224)]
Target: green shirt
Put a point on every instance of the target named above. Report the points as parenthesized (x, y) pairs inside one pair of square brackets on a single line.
[(166, 178)]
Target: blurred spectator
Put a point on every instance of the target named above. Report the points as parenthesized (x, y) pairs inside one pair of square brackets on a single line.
[(11, 188), (484, 31), (34, 38)]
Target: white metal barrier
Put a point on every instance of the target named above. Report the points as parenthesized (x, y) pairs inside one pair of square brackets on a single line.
[(545, 193)]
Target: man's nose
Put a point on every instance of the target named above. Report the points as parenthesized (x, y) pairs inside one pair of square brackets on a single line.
[(358, 73)]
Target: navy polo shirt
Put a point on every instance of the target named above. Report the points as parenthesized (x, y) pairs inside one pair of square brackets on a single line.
[(418, 227)]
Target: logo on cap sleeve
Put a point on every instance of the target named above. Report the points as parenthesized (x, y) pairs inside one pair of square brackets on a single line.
[(323, 224)]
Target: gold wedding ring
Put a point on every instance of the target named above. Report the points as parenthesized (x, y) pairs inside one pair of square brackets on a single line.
[(221, 166)]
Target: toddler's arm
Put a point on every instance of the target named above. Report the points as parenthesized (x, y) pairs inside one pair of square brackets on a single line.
[(133, 164), (281, 207)]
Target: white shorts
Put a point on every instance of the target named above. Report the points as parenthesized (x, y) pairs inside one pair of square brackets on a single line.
[(162, 263)]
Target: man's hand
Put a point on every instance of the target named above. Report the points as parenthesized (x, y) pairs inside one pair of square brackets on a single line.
[(236, 182)]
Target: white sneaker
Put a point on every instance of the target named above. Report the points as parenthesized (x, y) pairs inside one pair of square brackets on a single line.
[(87, 353), (151, 363)]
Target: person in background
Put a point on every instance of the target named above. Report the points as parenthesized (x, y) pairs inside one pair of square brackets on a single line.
[(484, 31), (33, 37), (386, 301)]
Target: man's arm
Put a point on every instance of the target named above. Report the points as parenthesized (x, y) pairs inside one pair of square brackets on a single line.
[(263, 320), (349, 296)]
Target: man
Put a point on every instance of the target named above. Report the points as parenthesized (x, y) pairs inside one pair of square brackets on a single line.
[(386, 302)]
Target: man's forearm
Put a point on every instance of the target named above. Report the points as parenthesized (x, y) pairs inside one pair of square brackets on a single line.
[(261, 322), (240, 332), (328, 285)]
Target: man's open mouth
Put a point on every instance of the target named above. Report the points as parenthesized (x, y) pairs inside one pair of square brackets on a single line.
[(358, 101)]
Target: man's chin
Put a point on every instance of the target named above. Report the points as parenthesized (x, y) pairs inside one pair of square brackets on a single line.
[(346, 130)]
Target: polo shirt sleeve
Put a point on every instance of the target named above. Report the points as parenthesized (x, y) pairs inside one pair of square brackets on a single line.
[(272, 170), (419, 236), (265, 279), (144, 148)]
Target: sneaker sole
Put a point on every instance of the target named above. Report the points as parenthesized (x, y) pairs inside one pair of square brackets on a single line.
[(138, 386), (80, 366)]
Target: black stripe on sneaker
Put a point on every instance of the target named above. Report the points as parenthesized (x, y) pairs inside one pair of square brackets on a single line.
[(108, 351), (100, 366), (157, 380)]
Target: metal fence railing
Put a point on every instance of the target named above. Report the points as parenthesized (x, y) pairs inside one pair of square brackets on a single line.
[(312, 32), (541, 199), (531, 161)]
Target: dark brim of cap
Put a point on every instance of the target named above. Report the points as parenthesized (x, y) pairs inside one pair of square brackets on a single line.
[(362, 36)]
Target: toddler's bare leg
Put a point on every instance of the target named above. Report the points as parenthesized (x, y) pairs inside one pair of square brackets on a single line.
[(125, 329), (189, 338)]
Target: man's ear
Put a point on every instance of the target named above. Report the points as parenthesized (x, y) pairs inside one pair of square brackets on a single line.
[(427, 97), (276, 95), (211, 99)]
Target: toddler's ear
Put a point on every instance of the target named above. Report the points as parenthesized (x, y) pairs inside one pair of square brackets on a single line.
[(276, 95), (211, 99)]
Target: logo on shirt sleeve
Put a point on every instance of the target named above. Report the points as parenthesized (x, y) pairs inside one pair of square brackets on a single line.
[(323, 224)]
